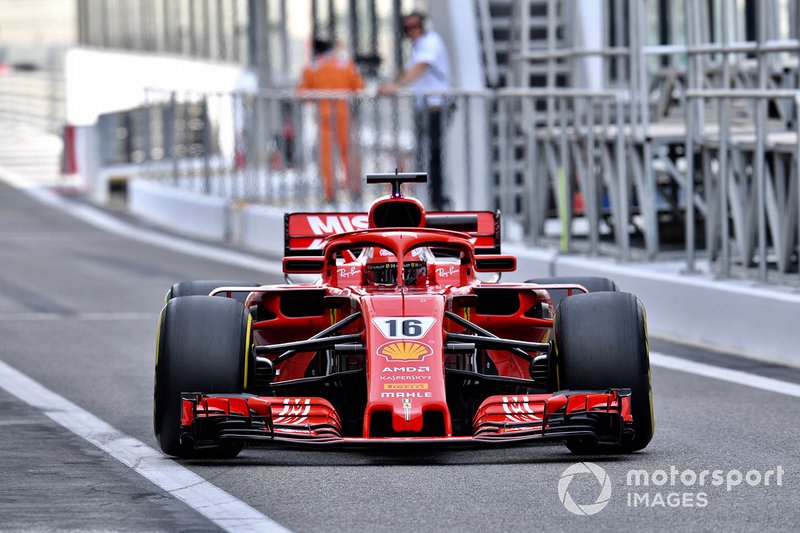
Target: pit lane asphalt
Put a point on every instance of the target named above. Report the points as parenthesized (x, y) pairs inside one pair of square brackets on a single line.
[(78, 310)]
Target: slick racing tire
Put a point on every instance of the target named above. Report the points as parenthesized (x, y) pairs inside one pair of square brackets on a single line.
[(601, 343), (591, 283), (203, 287), (203, 346)]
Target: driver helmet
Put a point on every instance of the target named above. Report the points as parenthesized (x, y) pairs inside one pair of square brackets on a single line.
[(381, 268)]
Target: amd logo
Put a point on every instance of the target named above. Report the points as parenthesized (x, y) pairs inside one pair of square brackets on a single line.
[(409, 369)]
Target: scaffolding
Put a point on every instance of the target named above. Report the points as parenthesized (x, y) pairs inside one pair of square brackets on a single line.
[(703, 94)]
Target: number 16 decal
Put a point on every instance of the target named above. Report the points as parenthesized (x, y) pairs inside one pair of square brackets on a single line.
[(398, 327)]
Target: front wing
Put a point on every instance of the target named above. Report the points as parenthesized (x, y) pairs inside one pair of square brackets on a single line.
[(208, 420)]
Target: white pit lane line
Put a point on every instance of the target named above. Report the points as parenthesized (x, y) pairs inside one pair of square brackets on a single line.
[(725, 374), (209, 500)]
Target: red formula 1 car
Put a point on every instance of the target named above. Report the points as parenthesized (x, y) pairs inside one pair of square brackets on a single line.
[(399, 342)]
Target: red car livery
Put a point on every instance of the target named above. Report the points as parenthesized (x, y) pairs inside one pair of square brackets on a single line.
[(398, 342)]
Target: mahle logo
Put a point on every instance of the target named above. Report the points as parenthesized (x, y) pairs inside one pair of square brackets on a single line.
[(602, 498)]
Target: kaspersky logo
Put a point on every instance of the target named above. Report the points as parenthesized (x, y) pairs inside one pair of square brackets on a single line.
[(405, 351)]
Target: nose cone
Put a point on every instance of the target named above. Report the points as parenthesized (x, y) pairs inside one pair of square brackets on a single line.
[(405, 365)]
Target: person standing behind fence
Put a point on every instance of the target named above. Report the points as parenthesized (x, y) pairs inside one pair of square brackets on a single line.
[(427, 69), (330, 71)]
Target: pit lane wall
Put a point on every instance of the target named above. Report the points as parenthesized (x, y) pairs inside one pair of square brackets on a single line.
[(193, 214), (730, 316)]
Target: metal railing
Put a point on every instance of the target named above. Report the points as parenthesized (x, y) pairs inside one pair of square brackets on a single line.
[(266, 148), (33, 99), (573, 164), (712, 175), (573, 174), (752, 181), (269, 146)]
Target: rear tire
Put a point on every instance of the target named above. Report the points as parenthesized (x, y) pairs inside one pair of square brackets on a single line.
[(203, 287), (202, 346), (591, 283), (600, 343)]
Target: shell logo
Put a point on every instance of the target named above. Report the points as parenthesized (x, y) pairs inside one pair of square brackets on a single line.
[(405, 351)]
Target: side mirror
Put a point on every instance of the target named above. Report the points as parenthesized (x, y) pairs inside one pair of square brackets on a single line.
[(303, 265), (495, 263)]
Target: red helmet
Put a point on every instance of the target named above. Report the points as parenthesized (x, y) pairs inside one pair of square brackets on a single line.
[(381, 268)]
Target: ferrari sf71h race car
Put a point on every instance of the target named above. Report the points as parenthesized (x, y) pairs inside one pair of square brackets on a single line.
[(399, 343)]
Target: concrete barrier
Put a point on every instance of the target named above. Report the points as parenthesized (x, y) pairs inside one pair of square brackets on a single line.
[(729, 316), (190, 213), (531, 262), (732, 316), (261, 228)]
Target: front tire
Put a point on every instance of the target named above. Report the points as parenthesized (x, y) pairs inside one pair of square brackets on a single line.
[(203, 346), (601, 343)]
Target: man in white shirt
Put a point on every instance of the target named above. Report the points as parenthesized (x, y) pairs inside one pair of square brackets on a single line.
[(427, 69)]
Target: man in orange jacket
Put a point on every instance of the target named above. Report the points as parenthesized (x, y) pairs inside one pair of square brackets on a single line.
[(329, 71)]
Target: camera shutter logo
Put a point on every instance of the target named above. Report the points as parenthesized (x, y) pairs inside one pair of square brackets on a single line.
[(590, 508)]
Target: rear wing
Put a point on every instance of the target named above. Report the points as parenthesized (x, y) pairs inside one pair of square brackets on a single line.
[(304, 232)]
